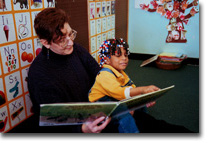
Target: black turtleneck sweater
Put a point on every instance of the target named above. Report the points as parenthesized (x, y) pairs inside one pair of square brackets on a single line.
[(61, 79)]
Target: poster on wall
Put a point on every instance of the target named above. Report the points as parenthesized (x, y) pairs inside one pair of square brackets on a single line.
[(19, 45), (177, 12), (101, 23)]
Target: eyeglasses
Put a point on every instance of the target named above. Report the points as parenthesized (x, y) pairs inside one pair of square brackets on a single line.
[(64, 41)]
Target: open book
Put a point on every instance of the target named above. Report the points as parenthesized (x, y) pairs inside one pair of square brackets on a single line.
[(81, 112)]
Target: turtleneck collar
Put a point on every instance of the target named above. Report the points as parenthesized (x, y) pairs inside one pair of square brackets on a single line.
[(53, 55)]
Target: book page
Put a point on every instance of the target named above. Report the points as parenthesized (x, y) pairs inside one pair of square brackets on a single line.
[(139, 101), (145, 98)]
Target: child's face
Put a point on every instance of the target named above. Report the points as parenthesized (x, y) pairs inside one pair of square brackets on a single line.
[(119, 62)]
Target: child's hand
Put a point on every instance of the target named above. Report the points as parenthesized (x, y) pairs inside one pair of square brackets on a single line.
[(142, 90), (150, 88)]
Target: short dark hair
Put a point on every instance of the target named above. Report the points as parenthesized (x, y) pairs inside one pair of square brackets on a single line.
[(49, 22), (111, 47)]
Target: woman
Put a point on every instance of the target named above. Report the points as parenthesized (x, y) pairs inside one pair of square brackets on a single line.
[(63, 71)]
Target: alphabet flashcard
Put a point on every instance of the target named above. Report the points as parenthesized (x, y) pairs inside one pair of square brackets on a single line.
[(7, 28), (25, 79), (98, 44), (0, 70), (20, 4), (92, 10), (113, 34), (17, 111), (103, 13), (9, 57), (49, 3), (4, 119), (5, 5), (98, 9), (104, 36), (13, 85), (108, 8), (26, 52), (93, 44), (108, 23), (113, 7), (112, 21), (104, 24), (109, 35), (35, 4), (93, 27), (2, 93), (33, 15), (23, 25), (37, 46), (28, 105), (98, 26)]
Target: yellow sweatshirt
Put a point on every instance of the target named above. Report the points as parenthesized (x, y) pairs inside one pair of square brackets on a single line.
[(113, 85)]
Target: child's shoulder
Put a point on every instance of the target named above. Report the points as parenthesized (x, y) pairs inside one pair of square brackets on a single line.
[(105, 74)]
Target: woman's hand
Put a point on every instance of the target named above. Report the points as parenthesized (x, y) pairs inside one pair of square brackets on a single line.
[(93, 127)]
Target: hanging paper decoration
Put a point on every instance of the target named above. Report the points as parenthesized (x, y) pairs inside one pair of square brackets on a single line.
[(174, 10)]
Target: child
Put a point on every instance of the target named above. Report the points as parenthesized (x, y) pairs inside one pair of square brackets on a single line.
[(113, 84)]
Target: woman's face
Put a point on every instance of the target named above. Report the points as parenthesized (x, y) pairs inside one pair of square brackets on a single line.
[(64, 46)]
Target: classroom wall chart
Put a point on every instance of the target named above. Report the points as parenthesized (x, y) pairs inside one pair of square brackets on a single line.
[(19, 46), (101, 23)]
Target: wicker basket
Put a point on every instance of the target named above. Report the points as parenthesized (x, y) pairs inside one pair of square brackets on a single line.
[(167, 66)]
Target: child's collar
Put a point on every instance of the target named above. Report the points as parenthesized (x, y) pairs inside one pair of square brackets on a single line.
[(116, 72)]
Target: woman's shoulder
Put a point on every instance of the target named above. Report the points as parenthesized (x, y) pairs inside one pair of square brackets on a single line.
[(80, 49)]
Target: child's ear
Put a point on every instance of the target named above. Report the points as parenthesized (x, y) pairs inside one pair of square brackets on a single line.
[(107, 61), (45, 43)]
